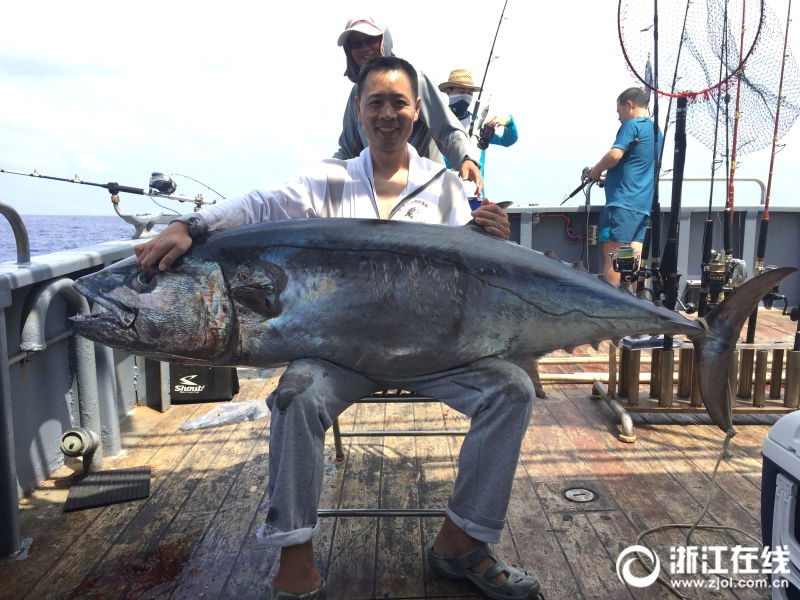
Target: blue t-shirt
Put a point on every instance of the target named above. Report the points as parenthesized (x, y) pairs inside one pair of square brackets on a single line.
[(629, 183)]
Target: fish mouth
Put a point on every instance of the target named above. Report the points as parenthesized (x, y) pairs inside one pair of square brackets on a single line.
[(98, 320), (115, 310)]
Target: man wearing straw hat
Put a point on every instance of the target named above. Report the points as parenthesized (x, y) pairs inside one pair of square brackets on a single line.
[(459, 88)]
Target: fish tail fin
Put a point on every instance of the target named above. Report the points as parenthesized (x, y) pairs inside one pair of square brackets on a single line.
[(713, 348)]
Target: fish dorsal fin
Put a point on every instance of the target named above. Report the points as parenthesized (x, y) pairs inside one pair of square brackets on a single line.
[(579, 265), (550, 254), (602, 277)]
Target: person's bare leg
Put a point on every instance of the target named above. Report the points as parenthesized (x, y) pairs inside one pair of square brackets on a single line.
[(452, 541), (637, 251), (608, 267), (297, 572)]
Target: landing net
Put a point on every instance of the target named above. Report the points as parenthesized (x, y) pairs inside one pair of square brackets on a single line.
[(703, 48)]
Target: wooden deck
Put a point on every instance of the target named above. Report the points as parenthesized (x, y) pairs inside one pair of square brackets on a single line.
[(194, 537)]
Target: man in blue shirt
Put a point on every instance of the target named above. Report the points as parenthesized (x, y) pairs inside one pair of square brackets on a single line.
[(628, 179)]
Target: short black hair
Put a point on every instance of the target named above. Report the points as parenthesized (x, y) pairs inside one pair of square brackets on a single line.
[(388, 63), (635, 95)]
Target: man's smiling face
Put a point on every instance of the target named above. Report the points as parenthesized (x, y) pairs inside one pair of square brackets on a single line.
[(388, 109)]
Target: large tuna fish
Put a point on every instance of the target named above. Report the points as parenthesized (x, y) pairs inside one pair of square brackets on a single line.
[(387, 298)]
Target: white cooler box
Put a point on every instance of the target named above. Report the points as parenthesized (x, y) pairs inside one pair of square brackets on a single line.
[(780, 480)]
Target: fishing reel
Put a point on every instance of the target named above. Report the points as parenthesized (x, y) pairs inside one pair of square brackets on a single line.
[(715, 281), (485, 137), (774, 295), (162, 183), (625, 262)]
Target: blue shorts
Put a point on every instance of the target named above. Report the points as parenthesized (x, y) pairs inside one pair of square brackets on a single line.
[(619, 224)]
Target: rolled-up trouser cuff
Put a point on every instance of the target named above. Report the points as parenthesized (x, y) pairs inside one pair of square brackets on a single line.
[(270, 536), (479, 532)]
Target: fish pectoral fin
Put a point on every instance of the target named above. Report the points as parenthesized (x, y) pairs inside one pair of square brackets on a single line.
[(260, 297)]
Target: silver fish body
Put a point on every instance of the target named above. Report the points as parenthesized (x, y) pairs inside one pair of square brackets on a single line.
[(378, 297)]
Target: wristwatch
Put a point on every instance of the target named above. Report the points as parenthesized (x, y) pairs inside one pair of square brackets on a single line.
[(196, 223)]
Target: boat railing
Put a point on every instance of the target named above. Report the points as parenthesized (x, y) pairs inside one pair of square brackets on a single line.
[(20, 234)]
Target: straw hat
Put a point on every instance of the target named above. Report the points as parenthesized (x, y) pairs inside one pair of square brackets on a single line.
[(459, 78)]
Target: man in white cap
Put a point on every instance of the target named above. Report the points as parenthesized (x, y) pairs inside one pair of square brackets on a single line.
[(459, 88), (436, 134)]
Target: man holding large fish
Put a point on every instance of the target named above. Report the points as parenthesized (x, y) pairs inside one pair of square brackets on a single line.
[(389, 181), (355, 305)]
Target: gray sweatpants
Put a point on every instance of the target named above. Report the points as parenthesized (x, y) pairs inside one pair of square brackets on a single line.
[(495, 394)]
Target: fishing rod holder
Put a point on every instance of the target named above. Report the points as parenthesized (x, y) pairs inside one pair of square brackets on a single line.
[(160, 186)]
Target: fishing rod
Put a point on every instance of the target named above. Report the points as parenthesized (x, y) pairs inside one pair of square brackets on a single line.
[(669, 265), (711, 279), (665, 281), (161, 186), (762, 232), (674, 79), (652, 233), (727, 226), (584, 183), (485, 71)]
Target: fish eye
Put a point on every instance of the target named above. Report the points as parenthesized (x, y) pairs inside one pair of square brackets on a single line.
[(142, 282)]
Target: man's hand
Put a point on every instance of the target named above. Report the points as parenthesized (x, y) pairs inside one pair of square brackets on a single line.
[(595, 174), (610, 159), (497, 121), (493, 219), (472, 172), (159, 253)]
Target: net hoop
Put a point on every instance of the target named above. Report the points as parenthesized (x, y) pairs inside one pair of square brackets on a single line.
[(693, 96)]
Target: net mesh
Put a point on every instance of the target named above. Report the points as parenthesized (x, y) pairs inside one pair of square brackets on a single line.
[(703, 47)]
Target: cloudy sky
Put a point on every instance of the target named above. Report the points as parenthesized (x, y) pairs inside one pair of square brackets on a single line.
[(241, 94)]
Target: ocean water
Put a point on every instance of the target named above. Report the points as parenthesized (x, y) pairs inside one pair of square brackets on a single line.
[(51, 233)]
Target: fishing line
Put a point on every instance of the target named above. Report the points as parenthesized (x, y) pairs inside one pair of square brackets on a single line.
[(200, 182), (164, 207), (692, 527)]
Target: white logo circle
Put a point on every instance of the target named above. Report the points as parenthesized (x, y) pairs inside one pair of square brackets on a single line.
[(625, 574)]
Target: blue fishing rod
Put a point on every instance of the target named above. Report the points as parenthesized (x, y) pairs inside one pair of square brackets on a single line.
[(485, 71)]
